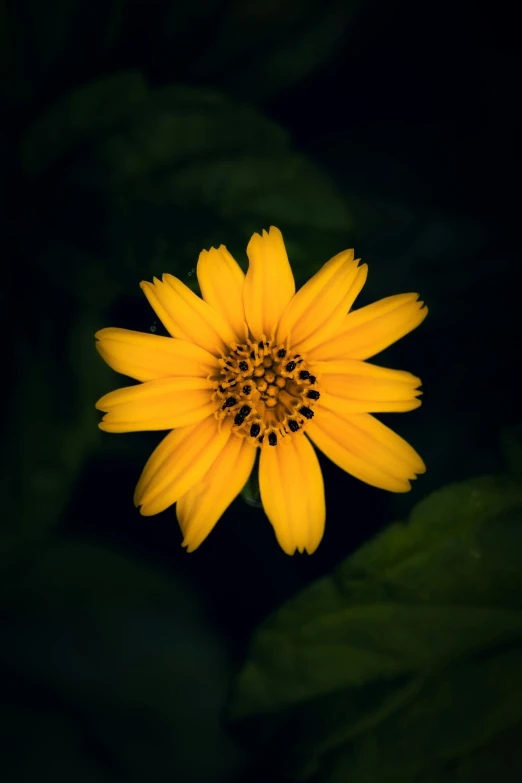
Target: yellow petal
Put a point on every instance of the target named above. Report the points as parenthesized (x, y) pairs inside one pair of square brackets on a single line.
[(352, 386), (146, 356), (343, 406), (292, 492), (200, 508), (221, 281), (163, 301), (187, 316), (366, 448), (269, 283), (180, 461), (319, 308), (373, 328), (157, 405)]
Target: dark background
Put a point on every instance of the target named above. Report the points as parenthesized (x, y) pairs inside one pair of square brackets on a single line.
[(136, 134)]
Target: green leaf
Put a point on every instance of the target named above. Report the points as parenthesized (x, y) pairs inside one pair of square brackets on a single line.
[(80, 115), (354, 649), (123, 653), (178, 125), (458, 713), (350, 646), (285, 186), (166, 173), (455, 538), (277, 46), (53, 423)]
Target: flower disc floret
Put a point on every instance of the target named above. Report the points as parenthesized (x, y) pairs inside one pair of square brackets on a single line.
[(266, 390)]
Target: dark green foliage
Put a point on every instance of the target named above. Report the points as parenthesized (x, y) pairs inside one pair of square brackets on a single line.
[(124, 676), (406, 662), (135, 135)]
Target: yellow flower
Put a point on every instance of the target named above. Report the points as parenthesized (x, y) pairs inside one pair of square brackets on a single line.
[(254, 365)]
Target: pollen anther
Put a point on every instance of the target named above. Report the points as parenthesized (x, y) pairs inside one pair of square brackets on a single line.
[(268, 397)]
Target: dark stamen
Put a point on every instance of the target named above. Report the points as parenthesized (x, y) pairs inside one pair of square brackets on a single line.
[(221, 389), (313, 395), (247, 389), (272, 439), (312, 379), (281, 353), (260, 345), (238, 419), (290, 367), (255, 429), (252, 354), (243, 366), (261, 439), (306, 412), (245, 410), (304, 374), (293, 425), (229, 402)]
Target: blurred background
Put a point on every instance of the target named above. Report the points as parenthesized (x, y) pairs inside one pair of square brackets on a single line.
[(135, 134)]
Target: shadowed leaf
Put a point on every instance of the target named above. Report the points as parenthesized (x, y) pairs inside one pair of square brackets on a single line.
[(424, 603)]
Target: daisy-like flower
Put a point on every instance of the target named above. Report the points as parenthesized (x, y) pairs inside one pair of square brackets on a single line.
[(253, 365)]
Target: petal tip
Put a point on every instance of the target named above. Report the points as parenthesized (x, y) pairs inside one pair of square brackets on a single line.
[(143, 508), (254, 240), (420, 469), (99, 404)]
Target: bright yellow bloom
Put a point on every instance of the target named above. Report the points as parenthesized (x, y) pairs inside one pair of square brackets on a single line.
[(255, 365)]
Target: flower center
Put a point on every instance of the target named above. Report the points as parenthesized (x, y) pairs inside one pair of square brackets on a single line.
[(266, 390)]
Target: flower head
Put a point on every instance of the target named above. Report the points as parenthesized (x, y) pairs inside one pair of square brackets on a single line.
[(253, 365)]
